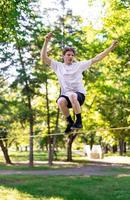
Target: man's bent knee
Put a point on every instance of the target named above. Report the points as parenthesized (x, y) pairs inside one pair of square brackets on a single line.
[(62, 102), (73, 98)]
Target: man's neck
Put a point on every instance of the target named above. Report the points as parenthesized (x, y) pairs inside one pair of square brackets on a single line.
[(67, 63)]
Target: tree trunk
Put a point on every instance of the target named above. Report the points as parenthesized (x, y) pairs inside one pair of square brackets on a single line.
[(121, 146), (31, 159), (125, 147), (50, 151), (31, 123), (54, 147), (5, 152), (50, 139), (56, 130), (28, 95), (92, 140), (69, 146), (114, 148), (106, 149)]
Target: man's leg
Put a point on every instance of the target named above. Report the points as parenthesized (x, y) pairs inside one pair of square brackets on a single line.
[(62, 104), (77, 109)]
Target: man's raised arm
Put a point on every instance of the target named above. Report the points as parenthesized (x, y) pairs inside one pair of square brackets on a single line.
[(44, 56), (101, 55)]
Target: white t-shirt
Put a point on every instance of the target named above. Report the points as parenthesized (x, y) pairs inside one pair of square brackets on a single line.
[(70, 76)]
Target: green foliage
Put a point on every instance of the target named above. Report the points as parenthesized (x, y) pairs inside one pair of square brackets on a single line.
[(108, 81)]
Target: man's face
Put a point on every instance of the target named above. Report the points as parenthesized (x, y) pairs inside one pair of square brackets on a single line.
[(68, 57)]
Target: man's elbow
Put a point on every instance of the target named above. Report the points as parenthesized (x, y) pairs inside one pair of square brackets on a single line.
[(94, 60), (45, 60)]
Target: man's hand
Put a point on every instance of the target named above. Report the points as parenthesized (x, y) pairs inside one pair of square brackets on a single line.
[(48, 37), (103, 54), (114, 44), (44, 56)]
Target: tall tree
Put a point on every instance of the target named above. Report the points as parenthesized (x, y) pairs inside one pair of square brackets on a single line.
[(4, 120), (22, 31), (109, 80)]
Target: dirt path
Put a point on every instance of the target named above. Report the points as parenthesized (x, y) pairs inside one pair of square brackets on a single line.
[(91, 169)]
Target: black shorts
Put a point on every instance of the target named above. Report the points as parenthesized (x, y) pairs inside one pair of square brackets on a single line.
[(80, 97)]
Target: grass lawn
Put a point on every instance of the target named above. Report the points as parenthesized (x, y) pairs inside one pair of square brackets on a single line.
[(21, 160), (23, 187), (17, 156), (40, 187)]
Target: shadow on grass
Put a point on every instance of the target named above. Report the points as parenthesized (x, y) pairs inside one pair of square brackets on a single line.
[(65, 188)]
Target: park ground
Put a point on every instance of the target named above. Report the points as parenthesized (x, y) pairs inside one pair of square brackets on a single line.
[(90, 179), (109, 165), (82, 179)]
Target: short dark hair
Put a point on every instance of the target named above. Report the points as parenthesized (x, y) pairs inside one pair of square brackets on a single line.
[(68, 49)]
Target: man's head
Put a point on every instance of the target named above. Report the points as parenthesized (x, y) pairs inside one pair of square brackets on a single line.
[(68, 55)]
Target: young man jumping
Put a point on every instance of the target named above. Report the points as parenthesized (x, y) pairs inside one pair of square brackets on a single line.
[(70, 77)]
